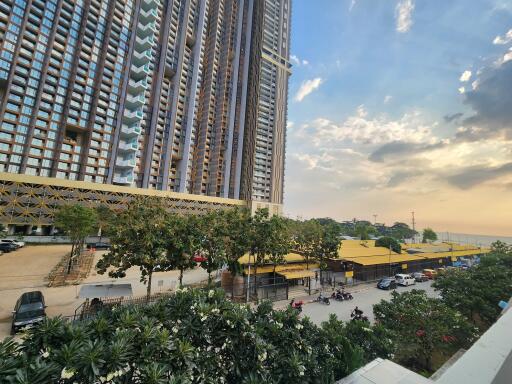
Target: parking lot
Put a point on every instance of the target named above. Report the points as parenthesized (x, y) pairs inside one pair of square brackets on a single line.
[(365, 296)]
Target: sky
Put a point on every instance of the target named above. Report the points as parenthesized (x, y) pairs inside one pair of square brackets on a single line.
[(398, 106)]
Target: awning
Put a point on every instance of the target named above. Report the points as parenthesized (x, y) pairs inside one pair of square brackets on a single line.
[(105, 290), (283, 267), (299, 274)]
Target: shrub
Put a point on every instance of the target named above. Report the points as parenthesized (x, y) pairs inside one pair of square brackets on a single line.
[(192, 337)]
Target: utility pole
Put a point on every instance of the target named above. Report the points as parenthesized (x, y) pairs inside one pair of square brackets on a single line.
[(374, 218), (413, 226)]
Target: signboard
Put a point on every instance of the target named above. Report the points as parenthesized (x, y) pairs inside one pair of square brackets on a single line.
[(349, 274), (404, 266)]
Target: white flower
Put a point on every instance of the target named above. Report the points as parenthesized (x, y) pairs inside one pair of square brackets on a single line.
[(67, 373), (299, 326), (211, 292), (262, 356), (45, 353), (279, 325), (175, 329)]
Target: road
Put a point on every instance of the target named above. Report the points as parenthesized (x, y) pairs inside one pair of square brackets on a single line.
[(365, 297)]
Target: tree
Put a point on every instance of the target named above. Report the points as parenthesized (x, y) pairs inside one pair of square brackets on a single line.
[(259, 239), (279, 241), (476, 292), (364, 230), (105, 218), (212, 236), (389, 242), (401, 231), (307, 237), (423, 326), (330, 241), (182, 243), (429, 235), (238, 227), (138, 239), (77, 222)]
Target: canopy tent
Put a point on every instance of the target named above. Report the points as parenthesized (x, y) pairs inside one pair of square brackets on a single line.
[(105, 290)]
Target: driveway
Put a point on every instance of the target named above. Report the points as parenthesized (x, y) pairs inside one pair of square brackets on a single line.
[(365, 297)]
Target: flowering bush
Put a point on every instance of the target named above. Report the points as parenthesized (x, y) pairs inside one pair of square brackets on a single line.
[(192, 337)]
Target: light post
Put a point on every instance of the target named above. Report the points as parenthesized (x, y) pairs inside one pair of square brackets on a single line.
[(248, 280)]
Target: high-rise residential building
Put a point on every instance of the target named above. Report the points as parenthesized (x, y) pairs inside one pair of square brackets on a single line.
[(175, 95)]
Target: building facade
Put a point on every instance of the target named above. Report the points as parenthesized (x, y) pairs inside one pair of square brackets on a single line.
[(182, 96)]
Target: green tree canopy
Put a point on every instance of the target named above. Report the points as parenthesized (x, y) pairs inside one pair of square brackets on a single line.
[(423, 326), (238, 227), (138, 239), (477, 291), (429, 235), (77, 222), (307, 238), (390, 243)]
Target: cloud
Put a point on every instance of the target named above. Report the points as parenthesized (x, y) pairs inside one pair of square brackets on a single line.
[(472, 176), (307, 87), (462, 90), (505, 39), (403, 14), (466, 75), (387, 99), (297, 61), (400, 149), (362, 129), (491, 102), (352, 4), (453, 117)]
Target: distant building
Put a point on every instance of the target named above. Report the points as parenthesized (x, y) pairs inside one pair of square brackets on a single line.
[(185, 96)]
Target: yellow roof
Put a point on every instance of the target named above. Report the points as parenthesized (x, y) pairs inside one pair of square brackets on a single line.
[(382, 259), (437, 255), (300, 274), (357, 243), (343, 253), (290, 258), (280, 268)]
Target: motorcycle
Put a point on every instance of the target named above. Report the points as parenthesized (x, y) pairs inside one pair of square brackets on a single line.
[(337, 296), (358, 316), (323, 299), (347, 296), (297, 305)]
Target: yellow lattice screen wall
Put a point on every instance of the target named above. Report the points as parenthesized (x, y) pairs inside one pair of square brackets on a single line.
[(33, 200)]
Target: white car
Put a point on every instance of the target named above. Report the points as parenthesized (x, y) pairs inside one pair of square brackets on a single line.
[(406, 280), (17, 243)]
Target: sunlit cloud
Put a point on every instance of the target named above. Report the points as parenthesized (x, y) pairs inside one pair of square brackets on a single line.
[(307, 87), (404, 10), (466, 76), (505, 39)]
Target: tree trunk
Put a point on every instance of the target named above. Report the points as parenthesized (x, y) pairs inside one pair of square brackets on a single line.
[(150, 277), (209, 278), (181, 278), (71, 257)]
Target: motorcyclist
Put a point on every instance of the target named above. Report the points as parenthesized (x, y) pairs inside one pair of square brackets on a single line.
[(357, 313)]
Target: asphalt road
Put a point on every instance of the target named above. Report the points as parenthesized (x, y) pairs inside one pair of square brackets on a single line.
[(364, 297)]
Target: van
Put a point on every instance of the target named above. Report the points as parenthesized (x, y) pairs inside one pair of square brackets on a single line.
[(403, 279), (431, 274)]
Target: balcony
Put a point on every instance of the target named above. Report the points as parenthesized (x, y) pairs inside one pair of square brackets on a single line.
[(141, 58), (146, 17), (136, 87), (133, 116), (147, 4), (125, 163), (134, 102), (138, 73), (143, 44), (131, 146), (132, 130), (146, 30), (123, 179)]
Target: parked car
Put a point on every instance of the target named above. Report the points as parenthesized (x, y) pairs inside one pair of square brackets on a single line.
[(387, 283), (419, 277), (98, 245), (404, 279), (430, 273), (29, 310), (7, 247), (17, 243)]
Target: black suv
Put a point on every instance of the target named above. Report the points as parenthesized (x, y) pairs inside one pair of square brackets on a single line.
[(7, 247), (29, 310)]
